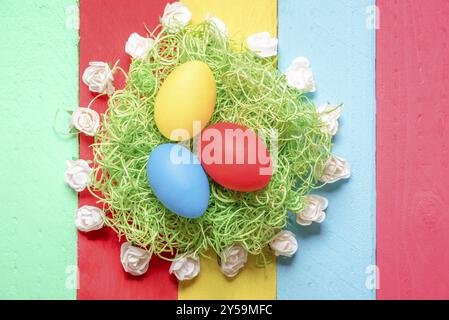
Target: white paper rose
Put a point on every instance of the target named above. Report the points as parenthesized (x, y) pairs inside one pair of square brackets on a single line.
[(335, 169), (314, 210), (138, 46), (218, 23), (299, 75), (185, 268), (89, 218), (263, 45), (99, 78), (77, 174), (232, 260), (86, 120), (284, 244), (176, 16), (134, 260), (329, 114)]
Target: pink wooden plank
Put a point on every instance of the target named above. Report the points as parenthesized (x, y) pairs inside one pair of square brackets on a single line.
[(412, 149)]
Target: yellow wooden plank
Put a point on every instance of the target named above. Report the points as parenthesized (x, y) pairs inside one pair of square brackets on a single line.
[(252, 283), (242, 18)]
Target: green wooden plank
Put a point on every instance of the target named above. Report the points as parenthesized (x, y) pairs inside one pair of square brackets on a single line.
[(39, 74)]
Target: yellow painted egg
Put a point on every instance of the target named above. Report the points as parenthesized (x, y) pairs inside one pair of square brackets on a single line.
[(186, 101)]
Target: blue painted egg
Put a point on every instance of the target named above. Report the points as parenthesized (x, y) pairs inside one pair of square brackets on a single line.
[(178, 180)]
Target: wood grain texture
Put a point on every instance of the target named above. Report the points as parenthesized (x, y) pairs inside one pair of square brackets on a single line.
[(39, 73), (241, 18), (105, 27), (333, 257), (412, 149), (252, 282)]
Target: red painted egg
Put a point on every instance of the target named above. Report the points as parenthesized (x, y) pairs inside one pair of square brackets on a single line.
[(235, 157)]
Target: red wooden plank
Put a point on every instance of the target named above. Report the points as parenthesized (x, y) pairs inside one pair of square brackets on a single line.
[(104, 28), (413, 149)]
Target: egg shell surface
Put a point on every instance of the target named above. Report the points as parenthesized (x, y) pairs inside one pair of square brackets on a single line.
[(178, 180), (185, 101), (235, 157)]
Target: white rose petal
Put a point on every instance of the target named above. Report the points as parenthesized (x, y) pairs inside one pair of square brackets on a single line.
[(176, 16), (284, 244), (299, 75), (98, 76), (89, 218), (232, 260), (335, 169), (86, 120), (262, 44), (134, 260), (138, 46), (329, 114), (314, 210), (77, 174), (185, 268), (218, 23)]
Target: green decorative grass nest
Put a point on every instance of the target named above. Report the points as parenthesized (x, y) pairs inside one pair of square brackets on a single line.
[(251, 92)]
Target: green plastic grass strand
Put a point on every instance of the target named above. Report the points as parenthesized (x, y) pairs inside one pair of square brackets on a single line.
[(250, 92)]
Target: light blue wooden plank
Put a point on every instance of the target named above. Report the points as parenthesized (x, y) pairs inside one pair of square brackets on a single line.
[(333, 258)]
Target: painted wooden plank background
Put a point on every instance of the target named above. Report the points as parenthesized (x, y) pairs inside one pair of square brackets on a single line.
[(38, 75), (339, 39), (413, 149), (412, 80), (241, 18), (105, 27)]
